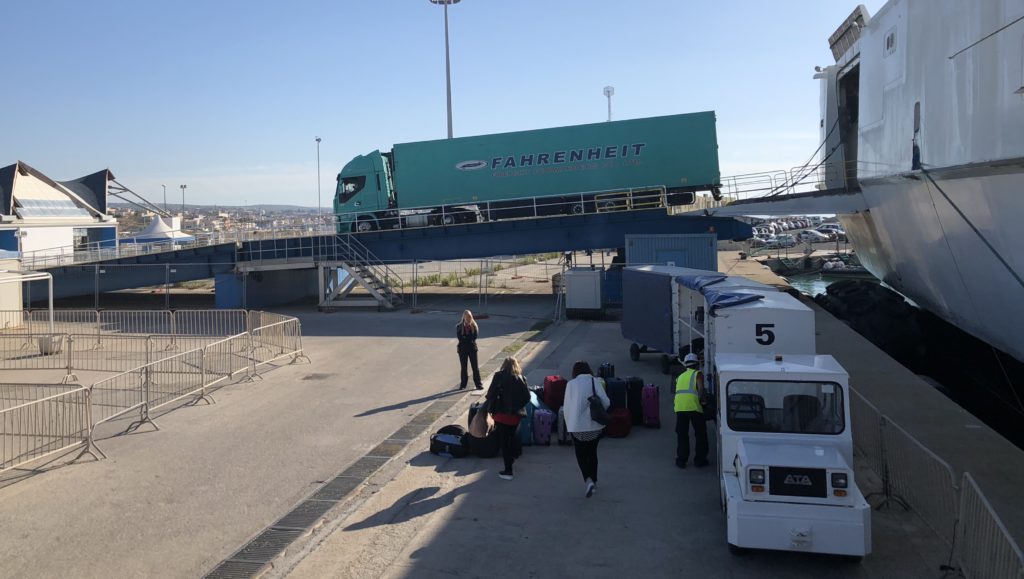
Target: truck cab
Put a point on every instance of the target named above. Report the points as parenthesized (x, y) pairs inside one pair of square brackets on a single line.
[(364, 199), (786, 455)]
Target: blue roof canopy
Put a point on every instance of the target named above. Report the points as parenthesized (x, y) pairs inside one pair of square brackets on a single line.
[(718, 300)]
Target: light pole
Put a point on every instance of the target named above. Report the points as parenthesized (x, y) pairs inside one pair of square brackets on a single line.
[(183, 187), (318, 211), (608, 92), (447, 60), (165, 197)]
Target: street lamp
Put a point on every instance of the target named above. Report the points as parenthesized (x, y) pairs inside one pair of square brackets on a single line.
[(165, 197), (447, 60), (183, 187), (318, 211), (608, 92)]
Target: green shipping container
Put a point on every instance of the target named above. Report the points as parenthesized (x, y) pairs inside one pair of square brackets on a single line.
[(676, 152)]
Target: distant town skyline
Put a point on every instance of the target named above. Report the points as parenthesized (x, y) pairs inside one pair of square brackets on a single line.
[(229, 97)]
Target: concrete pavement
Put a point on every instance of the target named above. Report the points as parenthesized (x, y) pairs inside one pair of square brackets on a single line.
[(174, 503), (454, 517)]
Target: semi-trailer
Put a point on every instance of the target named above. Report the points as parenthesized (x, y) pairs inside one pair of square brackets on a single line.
[(610, 166)]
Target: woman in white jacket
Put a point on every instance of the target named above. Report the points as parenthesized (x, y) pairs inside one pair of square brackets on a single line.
[(585, 432)]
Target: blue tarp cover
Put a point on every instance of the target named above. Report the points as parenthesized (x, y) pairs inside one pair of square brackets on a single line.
[(699, 282), (718, 300)]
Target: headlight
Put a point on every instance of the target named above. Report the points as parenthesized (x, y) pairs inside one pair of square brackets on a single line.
[(756, 476), (839, 480)]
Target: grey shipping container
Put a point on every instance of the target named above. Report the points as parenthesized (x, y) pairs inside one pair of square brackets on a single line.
[(698, 251)]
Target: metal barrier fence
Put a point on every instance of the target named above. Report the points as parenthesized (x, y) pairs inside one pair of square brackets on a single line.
[(984, 548), (275, 341), (38, 420), (225, 358), (217, 323), (920, 480), (33, 352)]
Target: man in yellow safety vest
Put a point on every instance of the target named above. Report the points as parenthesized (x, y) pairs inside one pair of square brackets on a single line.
[(689, 390)]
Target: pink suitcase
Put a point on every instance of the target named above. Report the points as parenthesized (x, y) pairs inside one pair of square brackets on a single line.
[(652, 410), (543, 423)]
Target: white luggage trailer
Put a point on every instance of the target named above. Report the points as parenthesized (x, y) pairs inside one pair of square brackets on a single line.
[(786, 456)]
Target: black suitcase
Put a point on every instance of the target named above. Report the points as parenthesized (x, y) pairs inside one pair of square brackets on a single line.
[(606, 370), (616, 390), (635, 399), (486, 447)]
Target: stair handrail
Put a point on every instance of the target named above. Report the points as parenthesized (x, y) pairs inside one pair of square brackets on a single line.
[(356, 251)]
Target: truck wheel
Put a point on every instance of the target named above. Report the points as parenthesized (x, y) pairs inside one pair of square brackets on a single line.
[(364, 225), (577, 209), (666, 364), (634, 352), (448, 219)]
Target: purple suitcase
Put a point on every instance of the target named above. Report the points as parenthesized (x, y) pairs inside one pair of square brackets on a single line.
[(543, 422), (652, 410)]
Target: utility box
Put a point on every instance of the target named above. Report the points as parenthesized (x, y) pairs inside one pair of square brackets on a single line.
[(583, 292)]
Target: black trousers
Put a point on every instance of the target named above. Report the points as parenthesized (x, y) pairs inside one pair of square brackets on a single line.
[(586, 456), (700, 432), (507, 443), (470, 357)]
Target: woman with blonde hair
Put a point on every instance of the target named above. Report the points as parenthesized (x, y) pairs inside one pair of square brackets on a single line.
[(506, 398), (466, 331)]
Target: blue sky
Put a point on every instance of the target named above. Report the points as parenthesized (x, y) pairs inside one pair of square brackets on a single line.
[(228, 96)]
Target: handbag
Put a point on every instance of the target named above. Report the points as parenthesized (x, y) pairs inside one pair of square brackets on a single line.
[(597, 410), (482, 422)]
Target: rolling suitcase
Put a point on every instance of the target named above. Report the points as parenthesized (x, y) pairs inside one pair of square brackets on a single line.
[(554, 392), (606, 370), (652, 407), (543, 422), (634, 399), (616, 390), (525, 430), (564, 438), (619, 423)]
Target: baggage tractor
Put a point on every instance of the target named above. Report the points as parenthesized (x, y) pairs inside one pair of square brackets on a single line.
[(651, 406), (634, 399), (564, 438), (616, 390), (606, 370), (543, 422), (554, 392), (619, 423), (448, 441)]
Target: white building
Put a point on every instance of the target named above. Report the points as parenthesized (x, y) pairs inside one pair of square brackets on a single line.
[(41, 216)]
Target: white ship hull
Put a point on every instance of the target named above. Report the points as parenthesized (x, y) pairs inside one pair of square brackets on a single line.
[(914, 240), (935, 88)]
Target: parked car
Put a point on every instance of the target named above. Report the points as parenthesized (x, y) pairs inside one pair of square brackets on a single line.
[(812, 236), (781, 241)]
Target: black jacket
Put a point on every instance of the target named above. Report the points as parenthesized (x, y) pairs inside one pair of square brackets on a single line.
[(508, 394), (467, 339)]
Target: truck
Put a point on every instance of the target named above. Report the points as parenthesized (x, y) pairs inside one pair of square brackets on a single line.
[(785, 446), (611, 166)]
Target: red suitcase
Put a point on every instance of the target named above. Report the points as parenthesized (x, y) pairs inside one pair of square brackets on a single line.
[(619, 423), (543, 424), (652, 408), (554, 392)]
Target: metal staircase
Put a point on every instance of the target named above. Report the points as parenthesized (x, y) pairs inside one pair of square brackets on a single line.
[(361, 268)]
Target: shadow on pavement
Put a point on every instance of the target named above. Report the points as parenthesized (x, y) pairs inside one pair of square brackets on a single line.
[(408, 403)]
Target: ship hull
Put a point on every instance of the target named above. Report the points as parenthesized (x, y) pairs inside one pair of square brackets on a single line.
[(965, 268)]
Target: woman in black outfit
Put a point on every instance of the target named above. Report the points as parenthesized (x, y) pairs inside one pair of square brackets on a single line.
[(466, 332), (506, 398)]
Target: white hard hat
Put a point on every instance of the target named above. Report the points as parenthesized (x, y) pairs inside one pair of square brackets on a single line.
[(690, 359)]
